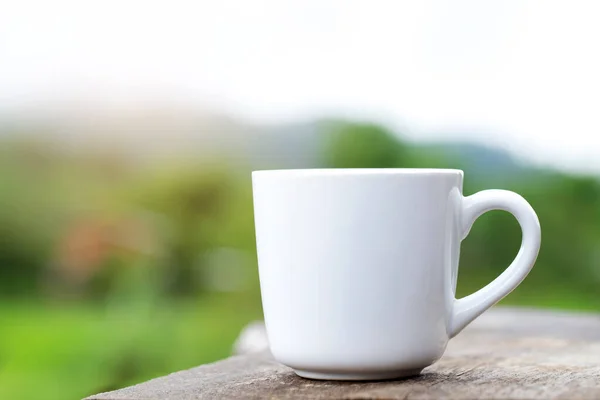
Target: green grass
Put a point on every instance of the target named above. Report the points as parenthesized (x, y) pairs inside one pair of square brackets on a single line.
[(71, 351)]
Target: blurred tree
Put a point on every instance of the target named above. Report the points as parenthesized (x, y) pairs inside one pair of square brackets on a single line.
[(363, 146), (194, 205)]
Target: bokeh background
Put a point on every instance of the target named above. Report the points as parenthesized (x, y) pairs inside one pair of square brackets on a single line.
[(128, 131)]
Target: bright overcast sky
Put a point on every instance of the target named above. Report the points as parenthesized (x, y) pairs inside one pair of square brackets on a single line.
[(524, 75)]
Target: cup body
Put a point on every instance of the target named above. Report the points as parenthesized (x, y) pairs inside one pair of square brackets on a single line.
[(357, 268)]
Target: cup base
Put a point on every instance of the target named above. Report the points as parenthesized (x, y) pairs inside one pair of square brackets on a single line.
[(358, 376)]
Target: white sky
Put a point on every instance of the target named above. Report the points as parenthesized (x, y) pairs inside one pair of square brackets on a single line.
[(520, 74)]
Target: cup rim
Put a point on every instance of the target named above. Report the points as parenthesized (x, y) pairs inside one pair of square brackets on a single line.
[(358, 171)]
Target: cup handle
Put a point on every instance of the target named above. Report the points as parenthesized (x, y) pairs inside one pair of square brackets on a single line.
[(468, 308)]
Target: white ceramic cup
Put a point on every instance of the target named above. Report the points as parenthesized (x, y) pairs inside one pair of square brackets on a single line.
[(358, 267)]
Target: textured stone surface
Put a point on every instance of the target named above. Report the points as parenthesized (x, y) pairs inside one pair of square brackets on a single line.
[(505, 354)]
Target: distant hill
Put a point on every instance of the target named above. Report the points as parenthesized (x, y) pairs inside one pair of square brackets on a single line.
[(479, 161), (150, 134)]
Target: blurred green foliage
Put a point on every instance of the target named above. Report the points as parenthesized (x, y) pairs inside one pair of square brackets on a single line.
[(567, 273), (112, 273), (363, 146)]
